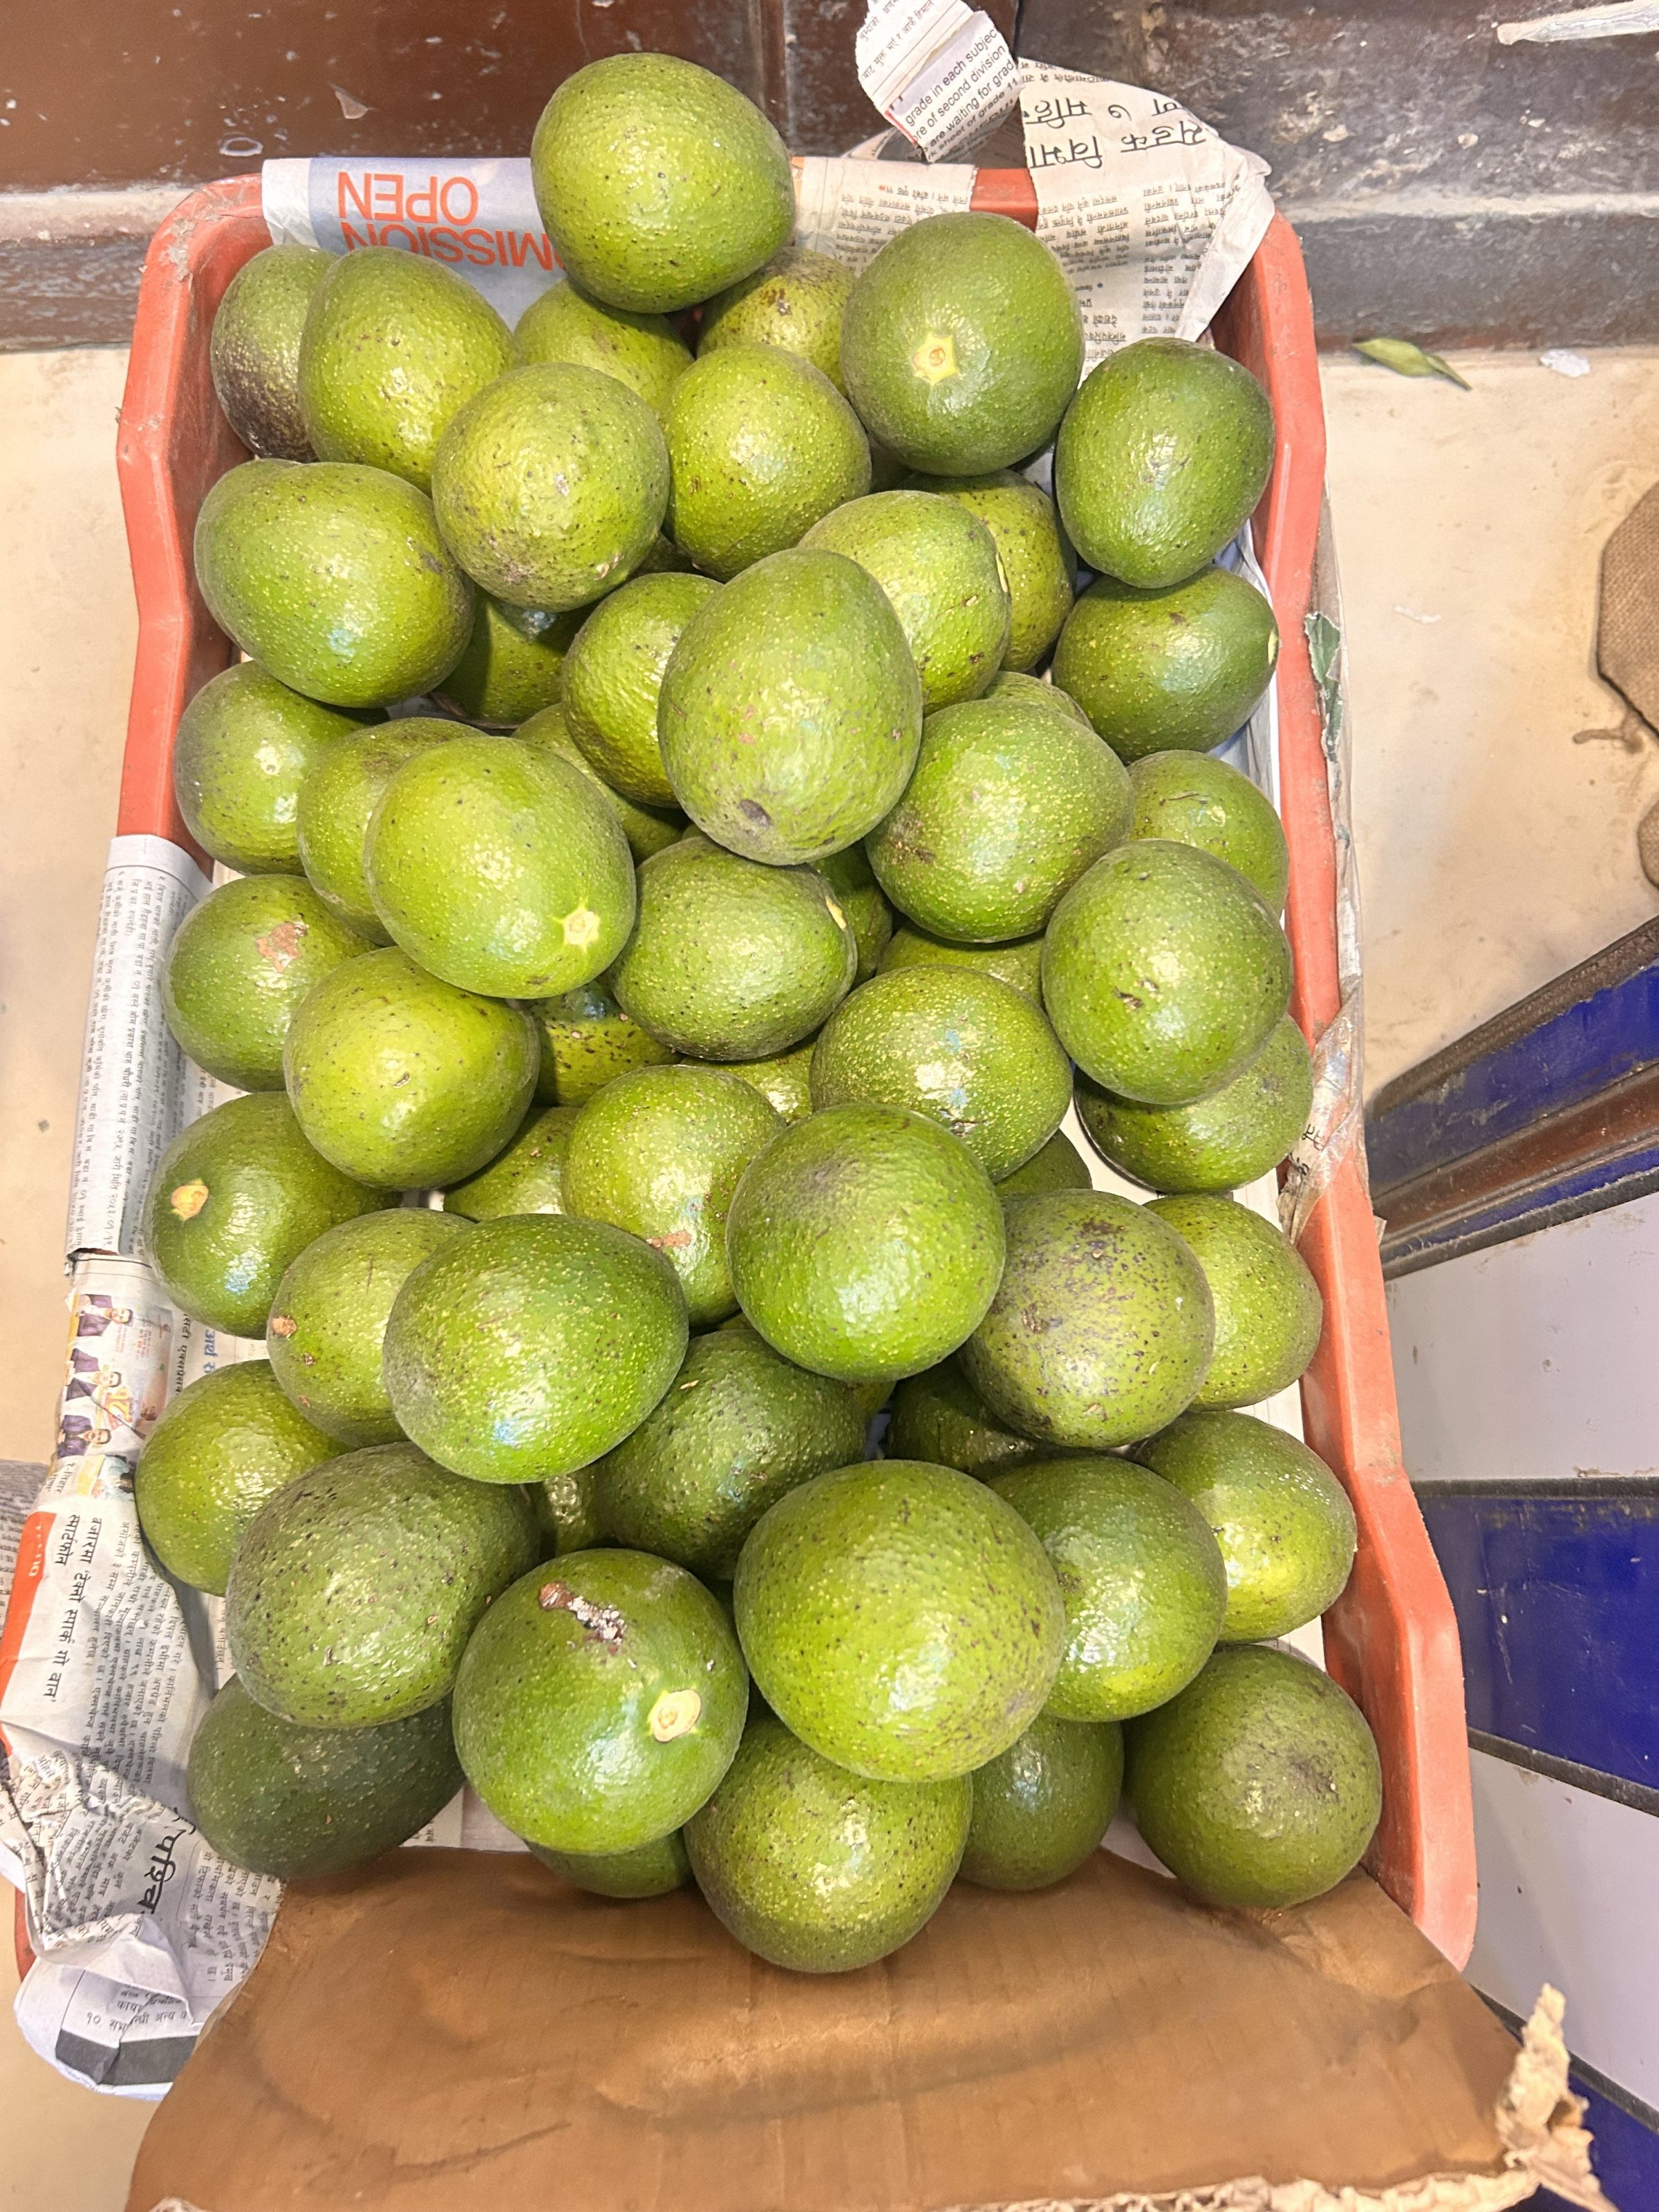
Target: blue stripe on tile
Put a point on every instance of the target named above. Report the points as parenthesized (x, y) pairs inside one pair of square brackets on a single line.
[(1557, 1599), (1567, 1056), (1625, 2154)]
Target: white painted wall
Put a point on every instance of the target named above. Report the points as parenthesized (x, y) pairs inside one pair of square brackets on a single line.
[(1570, 1895), (1538, 1358)]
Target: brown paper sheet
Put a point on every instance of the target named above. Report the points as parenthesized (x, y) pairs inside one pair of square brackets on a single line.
[(445, 2030)]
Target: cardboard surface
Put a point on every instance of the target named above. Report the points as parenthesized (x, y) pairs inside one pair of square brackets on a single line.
[(455, 2029)]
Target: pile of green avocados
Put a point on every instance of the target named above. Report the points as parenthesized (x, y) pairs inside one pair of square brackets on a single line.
[(653, 1044)]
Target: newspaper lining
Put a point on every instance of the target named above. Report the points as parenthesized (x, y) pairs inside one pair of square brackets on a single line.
[(105, 1667)]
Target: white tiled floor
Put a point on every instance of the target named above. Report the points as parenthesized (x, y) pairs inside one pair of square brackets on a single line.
[(1495, 852)]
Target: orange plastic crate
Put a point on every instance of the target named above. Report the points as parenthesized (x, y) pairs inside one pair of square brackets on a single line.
[(1391, 1639)]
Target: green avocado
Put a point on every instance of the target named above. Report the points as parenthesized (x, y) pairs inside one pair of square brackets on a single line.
[(866, 1242), (1141, 1576), (648, 830), (775, 954), (761, 444), (796, 301), (586, 1040), (962, 345), (1282, 1519), (1194, 799), (739, 1428), (785, 1082), (565, 1514), (336, 801), (394, 345), (901, 1618), (938, 1417), (238, 966), (852, 880), (600, 1701), (614, 673), (300, 1802), (254, 351), (1161, 458), (328, 1319), (404, 1081), (966, 1050), (1058, 1166), (644, 352), (791, 711), (513, 663), (1219, 1142), (532, 1344), (499, 868), (943, 575), (1036, 562), (1260, 1784), (1102, 1329), (237, 1195), (551, 485), (355, 1588), (1018, 964), (245, 745), (648, 1870), (1268, 1311), (1009, 805), (659, 183), (334, 576), (816, 1869), (1042, 1807), (659, 1152), (1178, 669), (528, 1177), (1164, 972), (228, 1441), (1035, 691)]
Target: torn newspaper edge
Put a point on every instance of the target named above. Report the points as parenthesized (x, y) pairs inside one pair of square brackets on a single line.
[(938, 71), (1336, 1124), (1153, 215)]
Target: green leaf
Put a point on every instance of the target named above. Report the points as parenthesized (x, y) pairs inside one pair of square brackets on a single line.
[(1405, 359), (1324, 655)]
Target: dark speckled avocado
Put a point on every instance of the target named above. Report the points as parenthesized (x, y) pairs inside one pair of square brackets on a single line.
[(228, 1441), (586, 1039), (1180, 668), (791, 711), (255, 349), (528, 1177), (1267, 1307), (938, 1417), (356, 1586), (737, 1427), (328, 1319), (1197, 800), (1043, 1806), (900, 1619), (237, 1196), (1102, 1329), (599, 1702), (648, 1870), (1260, 1784), (405, 1081), (1164, 453), (818, 1870), (299, 1802), (1282, 1521), (1141, 1576), (531, 1345), (1163, 972), (659, 1152), (1219, 1142)]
